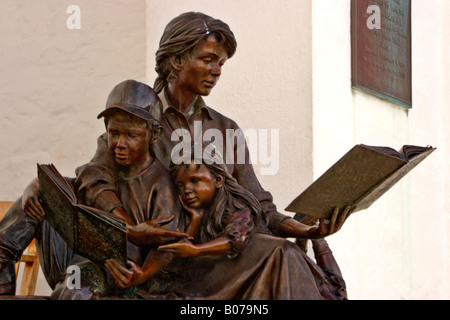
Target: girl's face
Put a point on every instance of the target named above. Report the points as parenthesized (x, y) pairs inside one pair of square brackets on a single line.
[(200, 72), (196, 185)]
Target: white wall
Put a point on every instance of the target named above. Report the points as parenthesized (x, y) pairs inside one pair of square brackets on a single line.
[(267, 84), (54, 81), (398, 248)]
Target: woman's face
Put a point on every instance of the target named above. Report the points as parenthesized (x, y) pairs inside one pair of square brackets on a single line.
[(200, 72), (196, 185)]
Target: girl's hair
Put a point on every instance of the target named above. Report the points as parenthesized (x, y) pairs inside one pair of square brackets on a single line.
[(180, 38), (229, 198)]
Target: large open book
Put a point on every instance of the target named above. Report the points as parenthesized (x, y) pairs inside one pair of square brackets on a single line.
[(358, 179), (91, 233)]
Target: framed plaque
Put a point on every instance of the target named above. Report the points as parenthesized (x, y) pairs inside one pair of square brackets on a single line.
[(381, 49)]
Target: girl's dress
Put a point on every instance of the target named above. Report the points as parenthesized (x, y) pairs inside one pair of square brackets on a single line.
[(260, 266)]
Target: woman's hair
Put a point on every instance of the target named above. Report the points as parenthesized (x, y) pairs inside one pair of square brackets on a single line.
[(229, 198), (180, 38)]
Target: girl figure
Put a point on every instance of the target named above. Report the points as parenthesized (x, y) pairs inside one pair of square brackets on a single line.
[(222, 213), (231, 257)]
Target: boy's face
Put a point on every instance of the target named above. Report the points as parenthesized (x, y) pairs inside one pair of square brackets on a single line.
[(128, 142), (196, 186)]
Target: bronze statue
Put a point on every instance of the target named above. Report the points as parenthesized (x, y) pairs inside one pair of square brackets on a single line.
[(237, 257), (193, 50)]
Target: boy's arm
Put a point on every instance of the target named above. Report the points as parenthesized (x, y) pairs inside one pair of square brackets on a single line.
[(95, 182), (30, 201), (134, 275)]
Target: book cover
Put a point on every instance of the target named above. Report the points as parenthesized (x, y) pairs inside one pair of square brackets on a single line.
[(358, 179), (92, 233)]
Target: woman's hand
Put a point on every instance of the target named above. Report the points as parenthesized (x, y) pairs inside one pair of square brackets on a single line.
[(331, 226), (291, 228), (125, 277), (30, 201)]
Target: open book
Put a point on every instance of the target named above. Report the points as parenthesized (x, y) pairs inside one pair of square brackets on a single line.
[(91, 233), (358, 179)]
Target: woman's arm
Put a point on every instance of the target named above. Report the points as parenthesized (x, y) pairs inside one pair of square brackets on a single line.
[(295, 229)]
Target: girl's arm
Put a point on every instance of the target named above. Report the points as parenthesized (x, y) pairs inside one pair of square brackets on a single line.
[(218, 246), (230, 243)]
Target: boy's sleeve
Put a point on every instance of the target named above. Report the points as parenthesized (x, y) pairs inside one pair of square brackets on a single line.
[(166, 202), (95, 183)]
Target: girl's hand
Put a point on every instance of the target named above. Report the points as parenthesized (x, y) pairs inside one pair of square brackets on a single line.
[(125, 277), (192, 213), (185, 249)]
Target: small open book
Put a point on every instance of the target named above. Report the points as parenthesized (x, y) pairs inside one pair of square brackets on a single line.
[(358, 179), (92, 233)]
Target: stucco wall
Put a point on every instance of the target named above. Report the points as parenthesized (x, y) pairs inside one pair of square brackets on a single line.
[(399, 247), (55, 80)]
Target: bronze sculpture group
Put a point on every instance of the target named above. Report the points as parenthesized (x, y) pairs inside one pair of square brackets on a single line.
[(199, 222)]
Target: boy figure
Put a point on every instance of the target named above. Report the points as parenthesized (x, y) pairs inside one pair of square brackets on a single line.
[(139, 188), (134, 186)]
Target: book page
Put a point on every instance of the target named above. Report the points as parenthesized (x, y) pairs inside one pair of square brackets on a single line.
[(57, 203), (100, 237), (344, 183)]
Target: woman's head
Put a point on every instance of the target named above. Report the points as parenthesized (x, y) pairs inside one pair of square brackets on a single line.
[(181, 37)]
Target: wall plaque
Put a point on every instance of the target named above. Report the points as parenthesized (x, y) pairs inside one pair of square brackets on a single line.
[(381, 49)]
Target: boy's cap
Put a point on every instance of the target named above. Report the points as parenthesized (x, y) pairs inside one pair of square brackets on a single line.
[(136, 98)]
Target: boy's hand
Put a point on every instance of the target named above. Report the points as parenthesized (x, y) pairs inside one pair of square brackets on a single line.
[(151, 231), (30, 201), (125, 277)]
